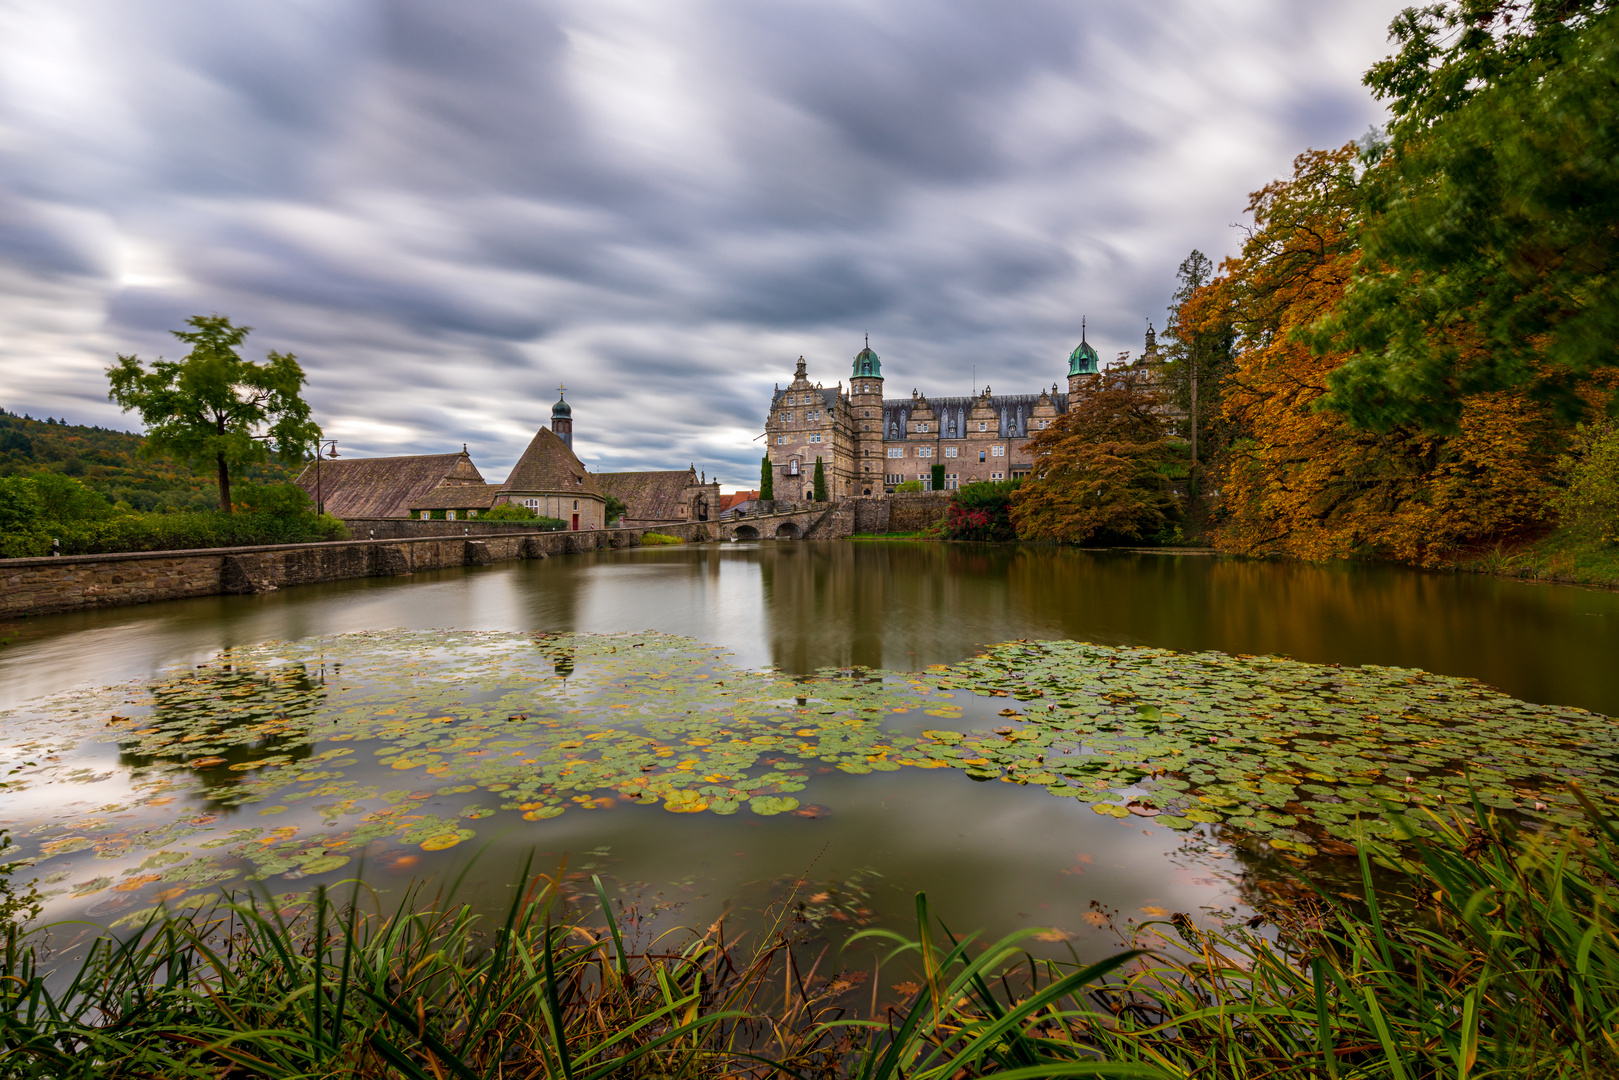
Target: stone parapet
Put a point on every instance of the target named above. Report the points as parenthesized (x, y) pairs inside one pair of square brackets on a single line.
[(42, 586)]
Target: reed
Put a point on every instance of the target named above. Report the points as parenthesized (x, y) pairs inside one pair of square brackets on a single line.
[(1486, 953)]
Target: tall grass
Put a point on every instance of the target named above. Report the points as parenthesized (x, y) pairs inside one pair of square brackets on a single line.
[(1489, 953)]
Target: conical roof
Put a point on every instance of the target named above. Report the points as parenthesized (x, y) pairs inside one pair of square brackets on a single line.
[(548, 466)]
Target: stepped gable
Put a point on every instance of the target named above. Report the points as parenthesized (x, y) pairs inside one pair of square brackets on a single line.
[(385, 487), (1012, 413), (658, 496), (548, 466)]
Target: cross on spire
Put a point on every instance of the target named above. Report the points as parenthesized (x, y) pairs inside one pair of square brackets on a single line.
[(560, 388)]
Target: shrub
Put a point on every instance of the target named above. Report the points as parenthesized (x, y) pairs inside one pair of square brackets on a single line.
[(981, 511), (907, 486), (508, 511), (278, 500), (652, 539)]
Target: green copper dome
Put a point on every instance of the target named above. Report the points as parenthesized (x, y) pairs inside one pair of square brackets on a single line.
[(868, 363), (561, 410), (1083, 360)]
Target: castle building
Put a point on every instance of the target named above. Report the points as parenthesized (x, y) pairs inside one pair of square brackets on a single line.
[(869, 444)]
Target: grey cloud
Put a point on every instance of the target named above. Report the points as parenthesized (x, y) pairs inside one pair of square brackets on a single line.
[(447, 210)]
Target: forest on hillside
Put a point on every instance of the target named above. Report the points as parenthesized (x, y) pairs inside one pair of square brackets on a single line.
[(110, 463)]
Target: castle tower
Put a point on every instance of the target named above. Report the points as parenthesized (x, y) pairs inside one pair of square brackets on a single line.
[(866, 404), (1083, 363), (562, 419)]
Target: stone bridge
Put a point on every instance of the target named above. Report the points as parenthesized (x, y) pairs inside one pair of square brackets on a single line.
[(792, 521)]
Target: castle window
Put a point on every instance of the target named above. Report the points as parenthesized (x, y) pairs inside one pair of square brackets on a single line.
[(450, 516), (815, 437), (576, 504), (997, 451), (924, 451), (997, 476), (786, 417), (981, 457), (922, 428), (982, 426), (952, 481), (781, 440), (950, 451), (427, 515), (896, 451)]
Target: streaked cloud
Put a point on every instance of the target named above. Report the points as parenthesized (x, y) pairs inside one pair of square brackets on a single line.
[(446, 210)]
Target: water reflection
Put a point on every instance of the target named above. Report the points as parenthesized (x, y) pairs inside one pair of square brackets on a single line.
[(196, 710), (803, 606)]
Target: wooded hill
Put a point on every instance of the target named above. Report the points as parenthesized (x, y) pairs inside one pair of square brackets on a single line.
[(110, 463)]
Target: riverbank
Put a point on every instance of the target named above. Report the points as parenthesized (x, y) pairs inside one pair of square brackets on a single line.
[(1409, 978)]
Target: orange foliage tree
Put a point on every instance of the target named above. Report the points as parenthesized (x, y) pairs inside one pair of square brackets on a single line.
[(1104, 466), (1299, 479)]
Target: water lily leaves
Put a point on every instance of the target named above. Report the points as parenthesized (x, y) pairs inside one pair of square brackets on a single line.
[(368, 737)]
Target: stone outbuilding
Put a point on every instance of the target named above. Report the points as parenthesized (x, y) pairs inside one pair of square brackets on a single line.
[(551, 481), (663, 498), (389, 487)]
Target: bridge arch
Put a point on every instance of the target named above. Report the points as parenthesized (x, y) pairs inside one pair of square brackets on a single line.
[(787, 530), (746, 532)]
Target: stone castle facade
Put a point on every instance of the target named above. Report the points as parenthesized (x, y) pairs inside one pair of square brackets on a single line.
[(869, 444)]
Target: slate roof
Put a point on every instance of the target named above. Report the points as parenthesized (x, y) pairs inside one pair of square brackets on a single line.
[(385, 487), (548, 467), (458, 497), (648, 496), (1012, 413)]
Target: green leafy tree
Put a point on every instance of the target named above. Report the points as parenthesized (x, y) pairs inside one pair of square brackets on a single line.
[(210, 406), (616, 508), (767, 479), (1588, 508), (819, 481), (1201, 354), (1493, 207)]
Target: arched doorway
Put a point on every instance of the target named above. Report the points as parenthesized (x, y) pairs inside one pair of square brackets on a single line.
[(787, 531)]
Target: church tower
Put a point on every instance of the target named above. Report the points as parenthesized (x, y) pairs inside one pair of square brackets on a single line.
[(866, 405), (562, 419), (1083, 363)]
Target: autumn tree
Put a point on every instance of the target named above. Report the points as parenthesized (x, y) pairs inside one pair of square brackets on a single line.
[(1490, 227), (214, 408), (1103, 467), (1302, 479)]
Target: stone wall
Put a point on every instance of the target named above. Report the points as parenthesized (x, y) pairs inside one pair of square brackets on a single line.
[(907, 512), (411, 528), (69, 583)]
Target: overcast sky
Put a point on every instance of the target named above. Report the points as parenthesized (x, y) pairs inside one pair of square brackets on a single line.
[(446, 209)]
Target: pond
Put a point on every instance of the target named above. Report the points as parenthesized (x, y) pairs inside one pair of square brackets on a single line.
[(800, 728)]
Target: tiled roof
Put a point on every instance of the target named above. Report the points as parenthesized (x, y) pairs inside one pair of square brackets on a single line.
[(648, 496), (549, 467), (384, 487), (736, 498), (457, 497)]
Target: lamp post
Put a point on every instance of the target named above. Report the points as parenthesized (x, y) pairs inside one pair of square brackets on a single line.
[(321, 444)]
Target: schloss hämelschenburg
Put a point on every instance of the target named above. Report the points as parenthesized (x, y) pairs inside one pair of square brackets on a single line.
[(869, 444)]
